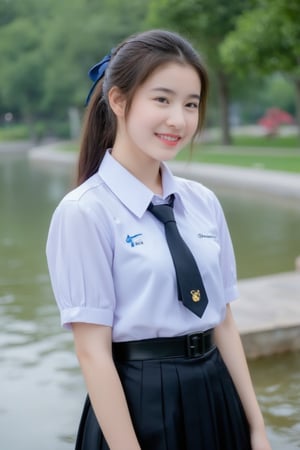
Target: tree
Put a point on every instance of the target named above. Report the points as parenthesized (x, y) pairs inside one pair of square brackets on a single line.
[(22, 60), (21, 81), (72, 46), (47, 47), (266, 40), (205, 23)]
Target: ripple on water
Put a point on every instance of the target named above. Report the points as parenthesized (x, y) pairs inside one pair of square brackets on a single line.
[(6, 299)]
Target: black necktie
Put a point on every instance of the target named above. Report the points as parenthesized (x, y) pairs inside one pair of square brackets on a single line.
[(189, 281)]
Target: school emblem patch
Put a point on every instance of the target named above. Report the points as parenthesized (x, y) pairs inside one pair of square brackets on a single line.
[(195, 295)]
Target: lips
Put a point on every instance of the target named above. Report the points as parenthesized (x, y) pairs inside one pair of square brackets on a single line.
[(170, 139)]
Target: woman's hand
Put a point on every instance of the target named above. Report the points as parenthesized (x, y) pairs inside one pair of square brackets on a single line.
[(229, 343), (259, 440)]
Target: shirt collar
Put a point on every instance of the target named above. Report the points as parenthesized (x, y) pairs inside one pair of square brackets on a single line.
[(131, 191)]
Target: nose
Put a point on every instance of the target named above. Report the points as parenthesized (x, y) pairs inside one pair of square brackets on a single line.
[(176, 117)]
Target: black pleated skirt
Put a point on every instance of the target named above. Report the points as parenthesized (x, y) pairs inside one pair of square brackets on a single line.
[(176, 404)]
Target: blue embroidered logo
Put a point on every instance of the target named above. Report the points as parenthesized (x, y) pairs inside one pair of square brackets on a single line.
[(134, 240)]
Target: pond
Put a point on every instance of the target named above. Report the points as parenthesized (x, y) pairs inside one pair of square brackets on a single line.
[(41, 387)]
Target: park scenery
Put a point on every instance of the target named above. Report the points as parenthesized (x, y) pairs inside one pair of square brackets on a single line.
[(248, 153)]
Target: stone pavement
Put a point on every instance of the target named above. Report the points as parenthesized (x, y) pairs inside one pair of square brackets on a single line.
[(268, 311)]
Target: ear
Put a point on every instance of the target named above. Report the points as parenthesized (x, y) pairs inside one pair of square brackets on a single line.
[(117, 101)]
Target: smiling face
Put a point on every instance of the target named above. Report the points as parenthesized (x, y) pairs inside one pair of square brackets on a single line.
[(163, 116)]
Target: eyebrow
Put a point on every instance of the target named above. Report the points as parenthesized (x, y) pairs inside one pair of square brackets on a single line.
[(170, 91)]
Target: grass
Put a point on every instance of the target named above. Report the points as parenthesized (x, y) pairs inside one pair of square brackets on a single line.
[(13, 133), (275, 159), (267, 142)]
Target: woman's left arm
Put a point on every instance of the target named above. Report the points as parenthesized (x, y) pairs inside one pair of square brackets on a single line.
[(229, 343)]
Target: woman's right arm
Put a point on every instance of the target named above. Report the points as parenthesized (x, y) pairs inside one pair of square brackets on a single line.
[(93, 349)]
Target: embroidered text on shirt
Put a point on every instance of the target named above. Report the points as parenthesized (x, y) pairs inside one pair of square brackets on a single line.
[(134, 240), (208, 236)]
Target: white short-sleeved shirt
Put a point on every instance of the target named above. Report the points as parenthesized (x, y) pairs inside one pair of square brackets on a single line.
[(110, 264)]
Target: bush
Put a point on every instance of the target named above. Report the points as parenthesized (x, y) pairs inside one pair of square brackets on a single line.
[(40, 130), (11, 132)]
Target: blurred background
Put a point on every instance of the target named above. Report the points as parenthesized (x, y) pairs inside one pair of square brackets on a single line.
[(251, 48), (46, 47)]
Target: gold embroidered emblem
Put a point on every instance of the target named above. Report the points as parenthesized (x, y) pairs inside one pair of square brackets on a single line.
[(195, 295)]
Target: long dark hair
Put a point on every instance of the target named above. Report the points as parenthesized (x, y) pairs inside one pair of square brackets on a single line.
[(132, 62)]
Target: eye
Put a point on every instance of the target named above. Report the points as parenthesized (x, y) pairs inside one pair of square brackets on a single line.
[(192, 105), (161, 99)]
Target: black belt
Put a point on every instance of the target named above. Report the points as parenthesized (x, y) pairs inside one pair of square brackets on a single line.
[(191, 346)]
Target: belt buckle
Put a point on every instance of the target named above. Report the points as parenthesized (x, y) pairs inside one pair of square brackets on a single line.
[(195, 345)]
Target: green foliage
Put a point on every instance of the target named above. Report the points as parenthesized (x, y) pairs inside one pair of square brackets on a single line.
[(7, 11), (204, 22), (253, 95), (278, 92), (266, 39), (73, 46), (14, 133), (47, 47), (21, 75)]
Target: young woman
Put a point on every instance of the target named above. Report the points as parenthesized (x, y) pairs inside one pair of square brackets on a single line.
[(163, 371)]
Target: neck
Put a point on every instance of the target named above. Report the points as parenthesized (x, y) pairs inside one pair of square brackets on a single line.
[(143, 168)]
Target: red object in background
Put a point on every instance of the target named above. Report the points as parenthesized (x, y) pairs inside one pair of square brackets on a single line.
[(273, 118)]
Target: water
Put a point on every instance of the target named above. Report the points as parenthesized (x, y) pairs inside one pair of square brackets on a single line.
[(265, 232), (41, 389), (276, 381)]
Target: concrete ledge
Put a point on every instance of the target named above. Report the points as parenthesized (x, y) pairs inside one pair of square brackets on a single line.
[(270, 342), (268, 313), (51, 155), (15, 146)]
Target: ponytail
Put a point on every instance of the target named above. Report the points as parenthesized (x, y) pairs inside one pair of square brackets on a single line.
[(99, 130)]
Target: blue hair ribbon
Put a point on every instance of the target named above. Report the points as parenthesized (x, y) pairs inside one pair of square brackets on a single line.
[(96, 73)]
